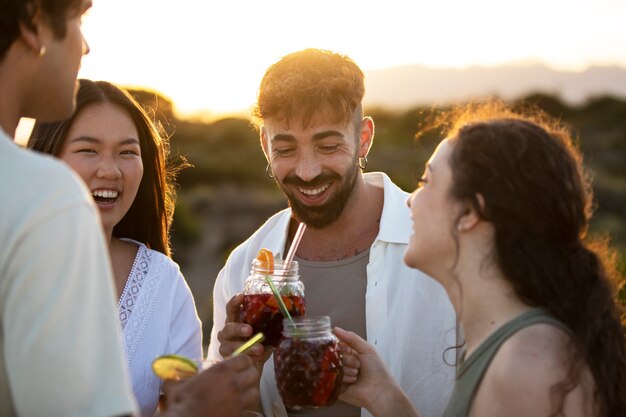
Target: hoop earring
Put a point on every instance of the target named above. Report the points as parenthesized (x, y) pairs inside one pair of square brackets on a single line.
[(42, 51), (268, 171), (363, 163)]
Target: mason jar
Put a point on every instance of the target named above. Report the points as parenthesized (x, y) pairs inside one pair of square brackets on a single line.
[(308, 363), (260, 307)]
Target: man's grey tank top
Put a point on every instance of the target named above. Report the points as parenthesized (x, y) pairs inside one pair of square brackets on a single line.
[(471, 371)]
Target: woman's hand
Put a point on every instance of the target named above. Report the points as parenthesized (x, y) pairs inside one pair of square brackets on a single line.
[(364, 370), (368, 383)]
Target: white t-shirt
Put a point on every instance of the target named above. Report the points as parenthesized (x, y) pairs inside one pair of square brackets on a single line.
[(60, 350)]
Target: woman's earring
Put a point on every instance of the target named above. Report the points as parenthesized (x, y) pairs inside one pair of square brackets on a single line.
[(42, 51)]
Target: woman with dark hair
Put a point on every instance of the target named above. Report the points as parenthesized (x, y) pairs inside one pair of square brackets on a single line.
[(500, 220), (121, 156)]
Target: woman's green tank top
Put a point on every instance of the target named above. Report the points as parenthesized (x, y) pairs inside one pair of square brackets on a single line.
[(471, 371)]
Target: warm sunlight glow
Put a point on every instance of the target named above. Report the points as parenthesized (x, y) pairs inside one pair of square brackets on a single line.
[(210, 56)]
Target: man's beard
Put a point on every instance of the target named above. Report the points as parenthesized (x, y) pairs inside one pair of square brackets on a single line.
[(323, 215)]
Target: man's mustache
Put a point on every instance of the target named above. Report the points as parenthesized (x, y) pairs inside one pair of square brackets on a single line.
[(321, 179)]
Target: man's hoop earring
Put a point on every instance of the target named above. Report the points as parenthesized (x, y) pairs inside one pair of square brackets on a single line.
[(363, 163), (268, 171)]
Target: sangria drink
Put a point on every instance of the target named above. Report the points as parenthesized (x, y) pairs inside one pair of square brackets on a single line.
[(308, 363), (260, 307)]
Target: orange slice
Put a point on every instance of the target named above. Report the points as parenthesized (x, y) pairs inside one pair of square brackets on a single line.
[(266, 260), (288, 302)]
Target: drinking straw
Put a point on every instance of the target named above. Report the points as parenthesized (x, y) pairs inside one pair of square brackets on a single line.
[(279, 299), (257, 338), (287, 262), (281, 304), (294, 246)]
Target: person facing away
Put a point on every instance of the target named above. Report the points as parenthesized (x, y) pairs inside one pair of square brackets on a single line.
[(60, 347), (119, 153), (500, 220), (316, 142)]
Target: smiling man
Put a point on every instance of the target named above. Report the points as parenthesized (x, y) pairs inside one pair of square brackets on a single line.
[(316, 141)]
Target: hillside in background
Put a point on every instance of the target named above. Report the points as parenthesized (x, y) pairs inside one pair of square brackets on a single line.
[(400, 88), (388, 88), (226, 195)]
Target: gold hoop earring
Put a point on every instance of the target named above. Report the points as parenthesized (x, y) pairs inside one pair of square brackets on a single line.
[(42, 51), (363, 163), (268, 171)]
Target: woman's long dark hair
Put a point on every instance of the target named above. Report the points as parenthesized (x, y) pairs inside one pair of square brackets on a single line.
[(149, 218), (539, 200)]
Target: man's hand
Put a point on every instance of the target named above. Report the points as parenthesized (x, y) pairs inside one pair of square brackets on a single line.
[(223, 390), (235, 333)]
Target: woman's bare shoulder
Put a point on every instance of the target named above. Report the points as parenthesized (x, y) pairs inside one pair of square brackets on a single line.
[(524, 373)]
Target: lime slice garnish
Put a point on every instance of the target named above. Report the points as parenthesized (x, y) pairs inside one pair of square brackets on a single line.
[(174, 367)]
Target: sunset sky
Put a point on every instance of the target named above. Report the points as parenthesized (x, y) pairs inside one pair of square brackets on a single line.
[(209, 56)]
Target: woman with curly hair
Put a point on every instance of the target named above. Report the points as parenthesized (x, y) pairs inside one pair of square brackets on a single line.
[(500, 220)]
